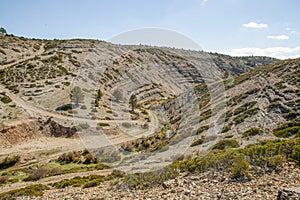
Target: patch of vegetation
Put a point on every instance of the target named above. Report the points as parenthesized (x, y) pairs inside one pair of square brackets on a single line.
[(237, 99), (33, 190), (149, 179), (16, 50), (288, 129), (36, 47), (225, 144), (9, 162), (202, 129), (280, 85), (238, 79), (264, 156), (4, 98), (241, 118), (102, 124), (296, 154), (2, 51), (41, 172), (98, 97), (86, 181), (239, 168), (251, 132), (198, 142), (61, 68), (84, 157), (226, 129), (205, 115), (244, 107)]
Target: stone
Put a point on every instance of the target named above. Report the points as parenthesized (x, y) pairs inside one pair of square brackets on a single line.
[(289, 194)]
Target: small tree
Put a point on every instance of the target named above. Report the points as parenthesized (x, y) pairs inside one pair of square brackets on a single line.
[(77, 95), (239, 167), (99, 95), (2, 30), (133, 102), (117, 94)]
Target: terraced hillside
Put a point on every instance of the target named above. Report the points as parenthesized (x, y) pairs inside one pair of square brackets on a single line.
[(59, 97)]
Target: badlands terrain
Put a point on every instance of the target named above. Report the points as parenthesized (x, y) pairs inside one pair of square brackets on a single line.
[(88, 119)]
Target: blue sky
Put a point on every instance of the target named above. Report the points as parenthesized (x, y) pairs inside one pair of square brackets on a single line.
[(236, 27)]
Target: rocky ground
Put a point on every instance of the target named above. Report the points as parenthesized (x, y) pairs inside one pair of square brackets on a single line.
[(204, 186)]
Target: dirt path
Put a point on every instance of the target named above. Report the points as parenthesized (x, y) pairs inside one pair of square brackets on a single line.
[(53, 179)]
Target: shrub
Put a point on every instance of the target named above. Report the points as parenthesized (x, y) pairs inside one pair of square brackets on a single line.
[(102, 124), (275, 162), (84, 157), (226, 129), (244, 107), (205, 115), (61, 68), (251, 132), (296, 154), (241, 118), (288, 129), (33, 190), (9, 162), (149, 179), (202, 129), (37, 174), (5, 99), (86, 181), (239, 167), (224, 144), (3, 179), (198, 142)]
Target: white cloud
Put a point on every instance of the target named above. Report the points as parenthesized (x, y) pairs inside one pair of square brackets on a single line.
[(255, 25), (276, 52), (278, 37)]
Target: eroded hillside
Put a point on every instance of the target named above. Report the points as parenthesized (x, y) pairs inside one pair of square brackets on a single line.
[(59, 96)]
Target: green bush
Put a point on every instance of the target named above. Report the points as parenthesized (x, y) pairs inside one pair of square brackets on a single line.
[(33, 190), (241, 118), (202, 129), (86, 181), (198, 142), (237, 99), (244, 107), (225, 129), (269, 154), (288, 129), (239, 167), (224, 144), (205, 115), (5, 99), (102, 124), (296, 154), (9, 162), (149, 179), (251, 132)]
